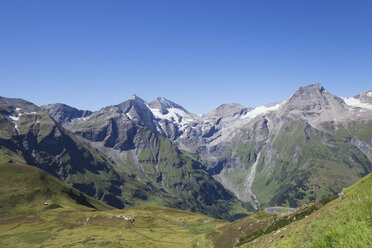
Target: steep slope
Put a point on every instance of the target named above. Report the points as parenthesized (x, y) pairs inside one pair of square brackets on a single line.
[(118, 158)]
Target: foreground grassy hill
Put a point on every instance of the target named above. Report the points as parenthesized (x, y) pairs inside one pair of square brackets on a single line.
[(72, 219), (25, 189), (344, 221)]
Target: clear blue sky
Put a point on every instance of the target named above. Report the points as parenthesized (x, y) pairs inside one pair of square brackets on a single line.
[(200, 54)]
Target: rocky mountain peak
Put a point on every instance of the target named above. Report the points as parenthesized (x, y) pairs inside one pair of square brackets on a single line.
[(226, 110), (313, 98), (63, 113), (365, 97)]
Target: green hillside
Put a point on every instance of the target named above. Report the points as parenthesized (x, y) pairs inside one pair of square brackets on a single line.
[(345, 222), (25, 189)]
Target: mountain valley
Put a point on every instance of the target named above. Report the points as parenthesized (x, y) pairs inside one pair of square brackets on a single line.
[(227, 164), (288, 153)]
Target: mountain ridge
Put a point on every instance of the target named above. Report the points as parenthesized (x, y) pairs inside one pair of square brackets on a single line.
[(278, 154)]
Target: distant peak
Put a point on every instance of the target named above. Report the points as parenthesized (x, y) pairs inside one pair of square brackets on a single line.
[(228, 109), (365, 97), (133, 97), (230, 106)]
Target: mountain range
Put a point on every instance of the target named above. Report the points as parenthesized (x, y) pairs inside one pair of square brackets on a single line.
[(226, 164)]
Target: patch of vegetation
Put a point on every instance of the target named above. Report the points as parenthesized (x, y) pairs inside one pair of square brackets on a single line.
[(201, 228), (262, 215), (344, 222)]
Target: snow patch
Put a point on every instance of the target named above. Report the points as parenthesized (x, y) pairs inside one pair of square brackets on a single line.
[(80, 119), (29, 113), (174, 115), (369, 94), (18, 109), (356, 103), (14, 118), (130, 116), (261, 110)]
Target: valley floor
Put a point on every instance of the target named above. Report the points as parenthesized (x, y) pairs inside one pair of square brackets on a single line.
[(152, 227)]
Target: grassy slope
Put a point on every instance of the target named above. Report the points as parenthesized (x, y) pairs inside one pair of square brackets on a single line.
[(345, 222), (24, 189), (65, 222), (252, 227)]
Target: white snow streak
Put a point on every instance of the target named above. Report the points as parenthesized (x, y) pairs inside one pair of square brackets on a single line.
[(14, 118), (248, 184), (261, 110), (356, 103), (174, 115)]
